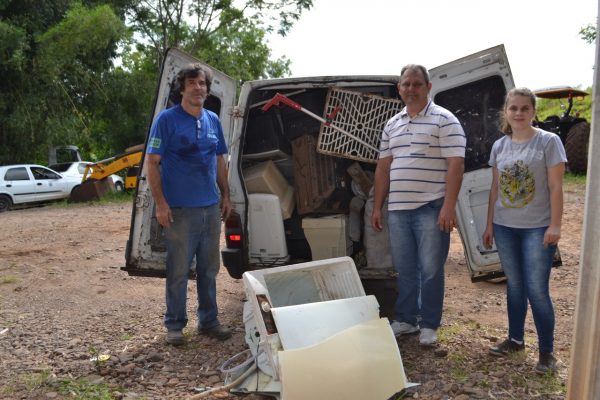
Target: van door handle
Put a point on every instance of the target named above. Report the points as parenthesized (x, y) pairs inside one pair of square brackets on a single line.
[(8, 185), (39, 183)]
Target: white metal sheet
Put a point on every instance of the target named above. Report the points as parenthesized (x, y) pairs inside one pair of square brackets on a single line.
[(308, 324)]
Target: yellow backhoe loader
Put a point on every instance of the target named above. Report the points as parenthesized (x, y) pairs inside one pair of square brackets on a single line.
[(94, 183)]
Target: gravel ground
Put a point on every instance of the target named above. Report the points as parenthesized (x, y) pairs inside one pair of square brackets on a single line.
[(65, 306)]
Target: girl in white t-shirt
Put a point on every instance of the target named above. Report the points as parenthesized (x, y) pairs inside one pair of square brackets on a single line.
[(524, 218)]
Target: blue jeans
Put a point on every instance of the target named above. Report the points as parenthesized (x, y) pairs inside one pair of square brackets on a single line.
[(194, 232), (527, 263), (419, 251)]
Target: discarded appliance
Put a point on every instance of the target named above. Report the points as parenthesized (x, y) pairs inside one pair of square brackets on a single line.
[(268, 246), (301, 320)]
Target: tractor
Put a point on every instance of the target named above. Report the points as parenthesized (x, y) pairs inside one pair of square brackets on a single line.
[(574, 131)]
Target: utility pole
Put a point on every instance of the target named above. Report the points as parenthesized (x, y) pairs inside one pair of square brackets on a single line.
[(584, 373)]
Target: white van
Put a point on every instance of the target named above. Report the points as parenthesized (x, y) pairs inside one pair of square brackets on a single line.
[(302, 152)]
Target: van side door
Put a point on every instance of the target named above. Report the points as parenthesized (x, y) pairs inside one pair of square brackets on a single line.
[(146, 252)]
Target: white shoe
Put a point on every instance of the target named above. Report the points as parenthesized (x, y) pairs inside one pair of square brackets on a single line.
[(403, 328), (428, 337)]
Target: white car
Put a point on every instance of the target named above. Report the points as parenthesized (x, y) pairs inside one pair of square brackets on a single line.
[(75, 169), (30, 183)]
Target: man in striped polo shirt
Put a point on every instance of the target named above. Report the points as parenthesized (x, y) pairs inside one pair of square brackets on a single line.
[(420, 167)]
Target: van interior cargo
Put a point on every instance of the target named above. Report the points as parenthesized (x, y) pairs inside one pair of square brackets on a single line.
[(331, 172)]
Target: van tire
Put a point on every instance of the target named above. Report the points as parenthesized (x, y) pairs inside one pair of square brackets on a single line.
[(5, 203), (119, 187)]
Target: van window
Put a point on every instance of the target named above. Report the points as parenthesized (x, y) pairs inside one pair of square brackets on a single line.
[(16, 174), (477, 106)]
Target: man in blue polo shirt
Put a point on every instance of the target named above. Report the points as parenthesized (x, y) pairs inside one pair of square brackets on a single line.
[(420, 166), (187, 174)]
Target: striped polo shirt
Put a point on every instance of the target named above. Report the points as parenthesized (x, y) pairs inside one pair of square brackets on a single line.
[(419, 147)]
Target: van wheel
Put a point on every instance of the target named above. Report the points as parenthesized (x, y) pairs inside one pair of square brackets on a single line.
[(5, 203), (119, 187)]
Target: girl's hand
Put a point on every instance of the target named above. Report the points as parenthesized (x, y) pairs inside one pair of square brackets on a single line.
[(488, 237), (552, 236)]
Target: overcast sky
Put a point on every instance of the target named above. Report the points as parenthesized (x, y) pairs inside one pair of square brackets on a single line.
[(378, 37)]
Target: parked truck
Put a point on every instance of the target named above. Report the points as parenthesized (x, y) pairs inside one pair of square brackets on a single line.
[(300, 169)]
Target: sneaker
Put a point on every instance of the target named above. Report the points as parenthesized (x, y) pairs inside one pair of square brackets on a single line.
[(547, 363), (175, 338), (428, 337), (217, 332), (403, 328), (507, 347)]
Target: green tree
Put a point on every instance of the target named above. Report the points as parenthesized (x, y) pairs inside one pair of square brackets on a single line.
[(588, 33), (54, 55), (229, 36), (60, 82)]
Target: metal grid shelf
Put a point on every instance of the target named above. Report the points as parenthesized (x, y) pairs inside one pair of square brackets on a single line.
[(362, 115)]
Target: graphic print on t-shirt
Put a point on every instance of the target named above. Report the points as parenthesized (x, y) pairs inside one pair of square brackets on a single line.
[(517, 185)]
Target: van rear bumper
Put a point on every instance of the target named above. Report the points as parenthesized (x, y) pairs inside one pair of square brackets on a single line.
[(233, 261)]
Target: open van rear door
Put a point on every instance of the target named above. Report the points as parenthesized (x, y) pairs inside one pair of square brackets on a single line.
[(146, 253), (473, 88)]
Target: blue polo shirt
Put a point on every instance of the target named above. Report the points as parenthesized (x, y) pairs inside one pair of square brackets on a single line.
[(188, 147)]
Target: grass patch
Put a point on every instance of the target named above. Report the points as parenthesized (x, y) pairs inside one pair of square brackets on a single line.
[(459, 369), (548, 384), (125, 337), (76, 389), (574, 183), (108, 198), (8, 279), (447, 332), (571, 179), (81, 389), (35, 380), (116, 197)]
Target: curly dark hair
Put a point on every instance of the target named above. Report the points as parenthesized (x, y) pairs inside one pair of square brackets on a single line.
[(189, 71)]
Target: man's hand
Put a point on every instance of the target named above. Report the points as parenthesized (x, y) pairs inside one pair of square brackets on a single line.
[(376, 220), (447, 218), (226, 208), (163, 215)]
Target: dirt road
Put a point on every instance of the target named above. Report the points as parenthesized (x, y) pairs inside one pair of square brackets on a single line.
[(64, 302)]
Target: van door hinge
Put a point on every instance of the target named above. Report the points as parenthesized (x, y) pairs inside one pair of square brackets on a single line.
[(236, 112)]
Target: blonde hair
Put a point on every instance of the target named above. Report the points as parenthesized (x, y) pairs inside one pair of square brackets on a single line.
[(522, 91)]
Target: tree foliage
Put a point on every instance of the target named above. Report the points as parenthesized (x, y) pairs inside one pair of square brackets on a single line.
[(54, 55), (228, 34), (83, 72), (588, 33)]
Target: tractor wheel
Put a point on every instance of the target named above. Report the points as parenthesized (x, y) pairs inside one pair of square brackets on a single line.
[(576, 147)]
